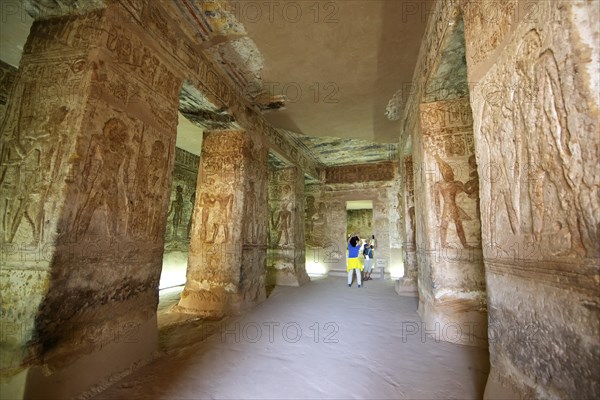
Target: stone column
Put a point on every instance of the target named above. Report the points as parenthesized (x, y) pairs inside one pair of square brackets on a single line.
[(452, 294), (407, 285), (227, 261), (286, 263), (536, 107), (86, 155)]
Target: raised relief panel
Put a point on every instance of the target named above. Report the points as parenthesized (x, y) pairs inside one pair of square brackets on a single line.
[(183, 198), (537, 182), (447, 128), (34, 145), (121, 180)]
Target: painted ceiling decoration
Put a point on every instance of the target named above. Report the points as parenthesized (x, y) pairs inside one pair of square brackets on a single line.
[(332, 151)]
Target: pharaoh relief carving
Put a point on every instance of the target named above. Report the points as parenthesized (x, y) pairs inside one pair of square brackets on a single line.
[(105, 174), (32, 150), (216, 204), (282, 204), (537, 156), (446, 208), (221, 169), (449, 146), (122, 181)]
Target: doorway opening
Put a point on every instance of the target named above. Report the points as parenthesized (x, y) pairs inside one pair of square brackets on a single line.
[(359, 221), (359, 218)]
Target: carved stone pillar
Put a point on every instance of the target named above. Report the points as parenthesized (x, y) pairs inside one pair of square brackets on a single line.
[(227, 261), (86, 154), (407, 285), (286, 262), (451, 273)]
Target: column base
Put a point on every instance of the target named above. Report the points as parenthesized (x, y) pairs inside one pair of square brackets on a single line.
[(455, 320), (284, 270), (407, 287), (91, 370), (218, 303)]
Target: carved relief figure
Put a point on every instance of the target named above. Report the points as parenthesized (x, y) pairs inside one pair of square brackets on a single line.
[(206, 202), (104, 175), (310, 210), (251, 212), (319, 218), (30, 168), (543, 117), (501, 180), (283, 223), (555, 152), (176, 209), (156, 169), (447, 189), (223, 204)]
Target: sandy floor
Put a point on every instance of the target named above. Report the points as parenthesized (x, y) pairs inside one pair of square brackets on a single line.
[(322, 340)]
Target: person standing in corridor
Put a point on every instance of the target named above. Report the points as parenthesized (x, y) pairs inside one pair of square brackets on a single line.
[(355, 245)]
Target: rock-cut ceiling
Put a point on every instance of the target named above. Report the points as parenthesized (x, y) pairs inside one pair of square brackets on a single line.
[(320, 70)]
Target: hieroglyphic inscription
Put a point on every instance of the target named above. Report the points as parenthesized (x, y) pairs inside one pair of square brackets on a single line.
[(360, 173), (486, 24), (8, 75), (447, 128)]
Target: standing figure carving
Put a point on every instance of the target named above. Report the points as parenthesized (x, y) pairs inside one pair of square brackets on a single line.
[(176, 209), (283, 223), (222, 208), (447, 189), (104, 176)]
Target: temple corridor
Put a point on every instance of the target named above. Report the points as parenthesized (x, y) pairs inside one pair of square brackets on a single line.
[(373, 348), (182, 185)]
